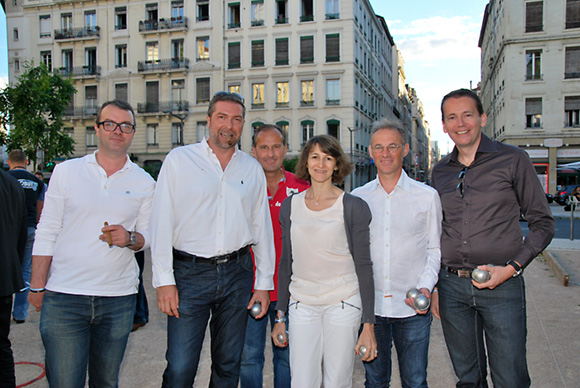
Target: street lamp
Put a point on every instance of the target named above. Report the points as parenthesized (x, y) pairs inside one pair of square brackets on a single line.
[(181, 119)]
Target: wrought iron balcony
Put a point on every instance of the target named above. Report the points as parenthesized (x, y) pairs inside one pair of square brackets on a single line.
[(81, 111), (79, 71), (161, 65), (163, 107), (179, 23), (77, 33)]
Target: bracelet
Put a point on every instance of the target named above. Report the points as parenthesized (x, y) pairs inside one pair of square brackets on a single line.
[(37, 290), (281, 319), (434, 290)]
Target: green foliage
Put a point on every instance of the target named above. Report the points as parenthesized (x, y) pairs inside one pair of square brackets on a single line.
[(290, 164), (33, 108)]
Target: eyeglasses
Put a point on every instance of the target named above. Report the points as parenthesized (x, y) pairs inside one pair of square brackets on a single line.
[(236, 96), (460, 186), (111, 126), (391, 148)]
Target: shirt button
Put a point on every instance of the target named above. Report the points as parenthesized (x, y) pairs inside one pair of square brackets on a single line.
[(386, 229), (464, 241), (386, 245)]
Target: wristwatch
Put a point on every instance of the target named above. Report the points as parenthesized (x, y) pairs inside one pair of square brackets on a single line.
[(132, 239), (517, 267)]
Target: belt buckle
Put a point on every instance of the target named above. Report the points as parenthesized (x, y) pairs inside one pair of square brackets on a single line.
[(222, 260), (463, 273)]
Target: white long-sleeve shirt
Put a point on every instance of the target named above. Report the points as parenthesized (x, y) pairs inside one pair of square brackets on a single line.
[(79, 200), (405, 241), (206, 211)]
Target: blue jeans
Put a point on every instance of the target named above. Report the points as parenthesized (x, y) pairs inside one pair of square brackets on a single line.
[(467, 314), (411, 338), (20, 311), (142, 309), (223, 291), (252, 367), (81, 330)]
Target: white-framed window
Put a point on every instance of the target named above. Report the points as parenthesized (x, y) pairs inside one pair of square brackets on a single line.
[(333, 91), (257, 96), (234, 19), (533, 65), (202, 90), (152, 135), (121, 55), (91, 137), (152, 51), (121, 18), (45, 26), (46, 59), (307, 93), (332, 9), (176, 134), (534, 113), (282, 94), (307, 127), (203, 48), (201, 130), (257, 13), (572, 111)]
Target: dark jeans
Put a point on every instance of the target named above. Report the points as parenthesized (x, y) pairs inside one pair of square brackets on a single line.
[(20, 312), (252, 369), (223, 291), (7, 378), (411, 338), (81, 330), (468, 315), (142, 308)]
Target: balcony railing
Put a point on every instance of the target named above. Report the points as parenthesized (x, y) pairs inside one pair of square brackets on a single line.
[(81, 111), (234, 25), (333, 101), (163, 107), (283, 104), (332, 16), (257, 23), (163, 65), (574, 74), (534, 77), (180, 23), (281, 20), (534, 27), (281, 62), (306, 102), (77, 33), (79, 71), (307, 18), (257, 105)]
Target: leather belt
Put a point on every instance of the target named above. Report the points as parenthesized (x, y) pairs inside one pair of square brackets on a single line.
[(460, 272), (216, 260)]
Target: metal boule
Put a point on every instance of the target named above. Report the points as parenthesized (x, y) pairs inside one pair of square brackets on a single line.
[(280, 338), (480, 275), (362, 350), (256, 309), (421, 302), (413, 293)]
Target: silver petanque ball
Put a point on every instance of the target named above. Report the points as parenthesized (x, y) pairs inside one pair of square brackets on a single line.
[(480, 275), (413, 293), (421, 302), (362, 350), (256, 309), (281, 338)]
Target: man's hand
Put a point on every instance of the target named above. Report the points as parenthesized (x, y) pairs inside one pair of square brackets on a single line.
[(409, 301), (498, 274), (35, 299), (264, 298), (168, 300), (119, 235)]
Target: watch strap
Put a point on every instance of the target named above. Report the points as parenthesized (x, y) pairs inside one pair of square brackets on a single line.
[(517, 267)]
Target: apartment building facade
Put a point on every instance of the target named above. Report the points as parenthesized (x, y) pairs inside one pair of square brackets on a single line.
[(530, 82)]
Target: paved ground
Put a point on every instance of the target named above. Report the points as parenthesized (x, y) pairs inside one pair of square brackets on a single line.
[(553, 340)]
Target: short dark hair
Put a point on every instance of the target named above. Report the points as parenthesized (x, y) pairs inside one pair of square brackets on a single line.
[(393, 124), (265, 127), (226, 96), (329, 145), (119, 104), (462, 93), (17, 156)]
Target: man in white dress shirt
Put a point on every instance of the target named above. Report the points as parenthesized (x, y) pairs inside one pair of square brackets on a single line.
[(210, 207), (405, 249), (84, 273)]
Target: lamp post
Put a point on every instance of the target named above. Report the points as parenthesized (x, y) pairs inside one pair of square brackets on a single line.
[(181, 119)]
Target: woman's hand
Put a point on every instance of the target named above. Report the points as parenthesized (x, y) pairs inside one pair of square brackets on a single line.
[(367, 339), (280, 330)]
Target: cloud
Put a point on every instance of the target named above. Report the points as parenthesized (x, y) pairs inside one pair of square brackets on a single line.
[(3, 82)]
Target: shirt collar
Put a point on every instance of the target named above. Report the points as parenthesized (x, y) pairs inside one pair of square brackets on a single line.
[(403, 183), (486, 145), (209, 151), (92, 159)]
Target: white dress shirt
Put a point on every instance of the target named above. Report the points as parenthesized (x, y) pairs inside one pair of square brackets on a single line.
[(206, 211), (405, 241), (79, 200)]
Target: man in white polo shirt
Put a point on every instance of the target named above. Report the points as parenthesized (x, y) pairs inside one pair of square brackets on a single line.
[(84, 273)]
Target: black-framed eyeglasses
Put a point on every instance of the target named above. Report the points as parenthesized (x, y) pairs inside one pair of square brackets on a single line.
[(236, 96), (111, 126), (461, 186), (391, 148)]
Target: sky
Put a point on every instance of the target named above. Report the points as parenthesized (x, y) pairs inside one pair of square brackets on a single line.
[(438, 40)]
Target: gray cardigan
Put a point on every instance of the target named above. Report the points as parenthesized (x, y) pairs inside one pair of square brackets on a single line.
[(357, 217)]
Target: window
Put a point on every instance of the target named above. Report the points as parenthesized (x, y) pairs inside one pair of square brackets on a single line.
[(307, 88), (177, 10), (332, 128), (152, 96), (257, 13), (307, 130), (307, 11), (122, 92), (533, 113), (201, 129), (202, 10), (177, 94), (202, 94), (67, 60), (176, 134), (257, 53), (152, 51), (151, 13), (332, 48), (90, 60), (177, 49), (121, 55), (572, 65), (534, 16), (284, 126), (15, 34), (306, 49), (234, 15), (234, 59), (572, 111), (91, 105), (152, 135), (90, 19), (17, 65), (66, 22), (282, 95), (234, 88), (533, 65), (46, 59), (44, 25), (257, 96), (91, 137), (121, 18), (281, 51), (332, 9), (572, 13), (203, 48), (332, 92), (281, 12)]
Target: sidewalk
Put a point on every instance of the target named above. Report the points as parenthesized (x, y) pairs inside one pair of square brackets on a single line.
[(553, 341)]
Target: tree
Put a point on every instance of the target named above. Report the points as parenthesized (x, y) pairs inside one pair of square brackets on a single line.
[(33, 109)]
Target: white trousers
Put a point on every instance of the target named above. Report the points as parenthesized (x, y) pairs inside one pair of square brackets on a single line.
[(322, 338)]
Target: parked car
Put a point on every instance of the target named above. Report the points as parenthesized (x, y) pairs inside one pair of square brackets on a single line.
[(562, 196)]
